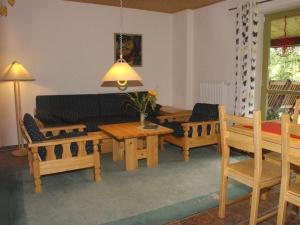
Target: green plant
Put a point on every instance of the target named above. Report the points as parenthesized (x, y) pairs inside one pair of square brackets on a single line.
[(140, 101)]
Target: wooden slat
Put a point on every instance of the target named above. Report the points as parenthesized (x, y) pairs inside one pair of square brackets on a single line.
[(81, 148), (62, 141), (50, 153), (238, 119), (56, 166), (60, 128), (66, 154), (141, 154)]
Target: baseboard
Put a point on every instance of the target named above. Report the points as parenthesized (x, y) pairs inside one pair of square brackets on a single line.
[(8, 148)]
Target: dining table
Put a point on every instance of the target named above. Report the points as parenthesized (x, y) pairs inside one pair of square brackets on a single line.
[(271, 134)]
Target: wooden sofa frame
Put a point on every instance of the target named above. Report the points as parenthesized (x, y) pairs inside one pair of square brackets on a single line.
[(51, 165), (196, 140)]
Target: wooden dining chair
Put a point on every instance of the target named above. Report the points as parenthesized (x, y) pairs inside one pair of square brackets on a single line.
[(289, 192), (253, 172), (274, 156)]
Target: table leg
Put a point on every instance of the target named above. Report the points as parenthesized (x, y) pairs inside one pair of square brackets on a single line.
[(117, 153), (131, 161), (161, 142), (152, 151)]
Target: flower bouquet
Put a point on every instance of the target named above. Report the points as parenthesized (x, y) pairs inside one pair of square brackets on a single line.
[(141, 101)]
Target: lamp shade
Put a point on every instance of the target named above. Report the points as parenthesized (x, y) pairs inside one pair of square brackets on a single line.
[(15, 72), (121, 74)]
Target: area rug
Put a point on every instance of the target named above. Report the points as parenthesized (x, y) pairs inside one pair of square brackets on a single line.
[(172, 190)]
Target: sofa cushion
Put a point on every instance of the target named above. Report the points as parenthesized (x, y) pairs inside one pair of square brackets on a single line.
[(69, 108), (204, 112)]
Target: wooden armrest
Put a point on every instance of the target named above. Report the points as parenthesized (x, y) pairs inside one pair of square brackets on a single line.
[(193, 126), (63, 141), (183, 117), (61, 128), (190, 124)]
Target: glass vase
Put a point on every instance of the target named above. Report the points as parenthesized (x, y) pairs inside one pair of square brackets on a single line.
[(142, 119)]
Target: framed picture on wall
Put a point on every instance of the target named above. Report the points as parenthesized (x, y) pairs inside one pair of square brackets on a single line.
[(132, 48)]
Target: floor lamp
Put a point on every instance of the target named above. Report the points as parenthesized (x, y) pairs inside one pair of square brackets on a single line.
[(16, 72)]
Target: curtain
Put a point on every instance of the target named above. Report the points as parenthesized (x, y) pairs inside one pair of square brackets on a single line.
[(245, 61)]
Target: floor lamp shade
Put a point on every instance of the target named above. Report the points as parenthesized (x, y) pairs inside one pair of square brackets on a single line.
[(16, 72)]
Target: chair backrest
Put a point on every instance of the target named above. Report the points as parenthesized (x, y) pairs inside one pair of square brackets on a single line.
[(232, 130), (290, 141), (204, 112), (296, 111), (31, 131)]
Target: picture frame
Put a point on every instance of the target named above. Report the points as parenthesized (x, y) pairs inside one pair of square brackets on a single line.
[(132, 48)]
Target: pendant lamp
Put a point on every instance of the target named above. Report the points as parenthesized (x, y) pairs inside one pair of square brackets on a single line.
[(121, 74), (285, 45)]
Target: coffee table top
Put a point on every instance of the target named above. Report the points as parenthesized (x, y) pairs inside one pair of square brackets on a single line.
[(132, 130)]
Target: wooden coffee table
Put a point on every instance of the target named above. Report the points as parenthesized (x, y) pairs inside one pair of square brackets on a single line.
[(131, 134)]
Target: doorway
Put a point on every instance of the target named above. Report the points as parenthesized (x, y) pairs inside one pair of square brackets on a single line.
[(281, 66)]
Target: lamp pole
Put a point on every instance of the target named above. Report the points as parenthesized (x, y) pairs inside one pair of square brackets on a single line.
[(21, 151), (16, 72)]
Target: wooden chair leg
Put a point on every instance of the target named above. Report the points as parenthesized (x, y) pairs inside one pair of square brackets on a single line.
[(36, 174), (30, 161), (97, 171), (282, 206), (219, 148), (186, 154), (162, 145), (223, 195), (254, 205)]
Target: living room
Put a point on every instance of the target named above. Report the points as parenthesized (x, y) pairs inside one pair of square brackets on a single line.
[(68, 46)]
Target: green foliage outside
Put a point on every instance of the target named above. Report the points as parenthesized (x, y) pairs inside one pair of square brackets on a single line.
[(284, 68)]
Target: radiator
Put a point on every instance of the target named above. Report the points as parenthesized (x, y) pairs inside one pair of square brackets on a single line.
[(214, 92)]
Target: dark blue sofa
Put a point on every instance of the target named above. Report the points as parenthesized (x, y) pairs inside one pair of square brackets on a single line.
[(89, 109)]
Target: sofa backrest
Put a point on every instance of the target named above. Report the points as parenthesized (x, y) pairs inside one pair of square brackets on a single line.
[(69, 106), (116, 104)]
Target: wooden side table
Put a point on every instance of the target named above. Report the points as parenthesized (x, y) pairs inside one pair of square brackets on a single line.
[(170, 110)]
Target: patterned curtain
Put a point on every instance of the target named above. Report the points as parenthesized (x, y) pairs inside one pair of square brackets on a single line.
[(245, 67)]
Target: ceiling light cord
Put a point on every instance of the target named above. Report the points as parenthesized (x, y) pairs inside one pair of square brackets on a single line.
[(121, 25)]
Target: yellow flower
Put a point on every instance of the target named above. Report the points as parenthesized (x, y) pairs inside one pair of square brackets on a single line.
[(152, 93)]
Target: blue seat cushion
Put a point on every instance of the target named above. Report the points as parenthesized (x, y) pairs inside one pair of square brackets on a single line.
[(32, 128)]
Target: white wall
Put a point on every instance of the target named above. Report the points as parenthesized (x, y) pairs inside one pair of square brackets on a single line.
[(68, 47), (214, 47), (179, 53), (183, 58)]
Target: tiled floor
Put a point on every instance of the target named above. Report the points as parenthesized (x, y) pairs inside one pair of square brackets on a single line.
[(236, 214)]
